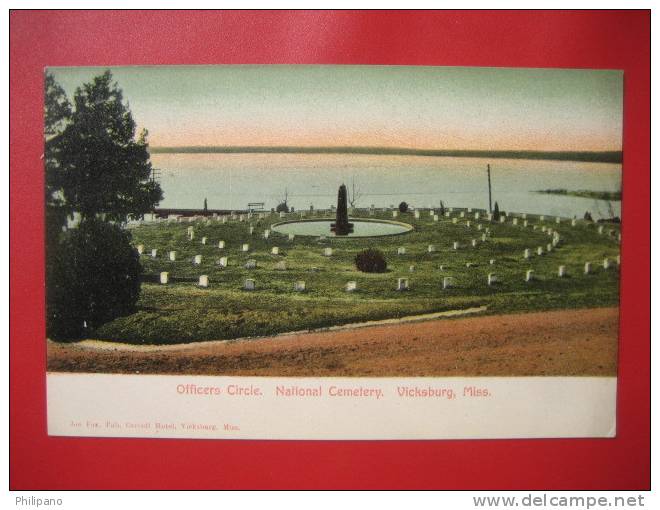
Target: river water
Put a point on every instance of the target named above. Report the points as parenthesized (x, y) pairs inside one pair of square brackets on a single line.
[(231, 181)]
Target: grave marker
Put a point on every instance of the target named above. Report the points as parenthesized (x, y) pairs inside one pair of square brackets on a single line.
[(249, 284), (221, 245), (447, 282), (299, 286), (203, 280), (222, 262), (351, 286), (402, 284), (172, 256), (245, 247), (431, 248), (492, 278), (251, 264), (529, 275), (275, 250), (197, 260), (164, 277), (154, 253), (561, 272), (140, 248), (401, 251), (587, 267), (327, 252), (203, 240)]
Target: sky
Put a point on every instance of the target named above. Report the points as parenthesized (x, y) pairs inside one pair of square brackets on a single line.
[(449, 108)]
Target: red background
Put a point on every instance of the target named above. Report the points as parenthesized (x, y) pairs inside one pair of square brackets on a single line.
[(615, 40)]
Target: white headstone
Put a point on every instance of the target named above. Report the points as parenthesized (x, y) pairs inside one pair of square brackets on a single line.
[(492, 278), (543, 228), (526, 253), (468, 224), (411, 269), (351, 286), (275, 250), (292, 237), (474, 243), (587, 267), (447, 214), (483, 238), (436, 217), (221, 245), (447, 282), (548, 247), (251, 264), (539, 250), (454, 221), (469, 264), (401, 250), (222, 262), (557, 220), (245, 247), (203, 280), (480, 226), (164, 277), (431, 212), (489, 216), (491, 262), (600, 229), (573, 222), (190, 230), (431, 248), (402, 284), (327, 252), (476, 216), (224, 219), (395, 214), (266, 233), (249, 284), (462, 215), (299, 286), (502, 219), (456, 245), (140, 248), (203, 240), (606, 263), (172, 256), (251, 230), (529, 275), (416, 215), (154, 253), (561, 272), (525, 223), (282, 214), (197, 260), (515, 221)]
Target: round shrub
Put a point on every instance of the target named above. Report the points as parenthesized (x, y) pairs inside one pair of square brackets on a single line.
[(93, 277), (403, 207), (371, 261)]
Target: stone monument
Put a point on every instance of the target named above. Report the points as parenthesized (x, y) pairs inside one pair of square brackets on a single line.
[(342, 227)]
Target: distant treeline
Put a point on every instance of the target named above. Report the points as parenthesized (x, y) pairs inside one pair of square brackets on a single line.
[(599, 195), (597, 157)]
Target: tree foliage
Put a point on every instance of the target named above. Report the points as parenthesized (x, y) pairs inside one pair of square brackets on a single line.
[(103, 169), (403, 207), (496, 212), (94, 278)]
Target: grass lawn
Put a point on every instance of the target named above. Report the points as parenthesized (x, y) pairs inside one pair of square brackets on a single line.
[(181, 311)]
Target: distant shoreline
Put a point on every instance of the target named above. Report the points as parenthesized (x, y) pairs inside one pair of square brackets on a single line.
[(598, 195), (583, 156)]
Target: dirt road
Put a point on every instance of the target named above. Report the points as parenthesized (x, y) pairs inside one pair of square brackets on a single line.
[(565, 342)]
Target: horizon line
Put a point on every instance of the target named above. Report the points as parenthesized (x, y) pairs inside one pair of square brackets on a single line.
[(609, 156)]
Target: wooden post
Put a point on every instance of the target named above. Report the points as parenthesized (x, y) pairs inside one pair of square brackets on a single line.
[(490, 206)]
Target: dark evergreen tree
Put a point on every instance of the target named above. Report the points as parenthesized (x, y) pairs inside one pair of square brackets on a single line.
[(496, 212), (442, 208), (403, 207), (103, 169), (206, 206), (94, 278)]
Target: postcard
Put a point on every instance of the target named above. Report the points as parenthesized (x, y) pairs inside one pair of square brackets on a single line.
[(332, 252)]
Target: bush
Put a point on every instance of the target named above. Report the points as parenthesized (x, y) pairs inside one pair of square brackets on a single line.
[(282, 207), (587, 216), (442, 208), (496, 212), (403, 207), (371, 261), (93, 276)]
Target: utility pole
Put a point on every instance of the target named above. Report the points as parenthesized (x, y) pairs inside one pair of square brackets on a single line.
[(490, 203)]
